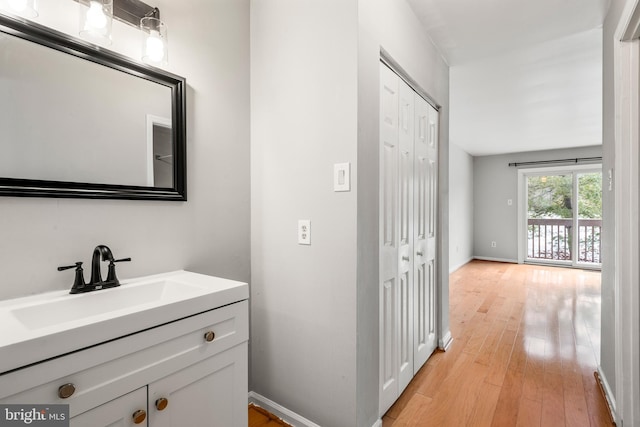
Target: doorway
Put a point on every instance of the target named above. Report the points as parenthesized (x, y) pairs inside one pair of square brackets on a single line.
[(159, 152), (560, 216)]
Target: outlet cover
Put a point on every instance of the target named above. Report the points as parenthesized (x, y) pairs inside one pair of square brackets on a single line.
[(304, 232)]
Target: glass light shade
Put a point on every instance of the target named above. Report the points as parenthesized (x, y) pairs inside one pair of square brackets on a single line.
[(154, 43), (25, 8), (96, 18)]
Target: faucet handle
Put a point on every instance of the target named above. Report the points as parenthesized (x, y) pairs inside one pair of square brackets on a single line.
[(111, 274), (76, 266), (78, 283)]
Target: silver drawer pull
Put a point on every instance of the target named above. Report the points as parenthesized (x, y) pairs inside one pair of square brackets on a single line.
[(419, 253), (66, 390), (209, 336)]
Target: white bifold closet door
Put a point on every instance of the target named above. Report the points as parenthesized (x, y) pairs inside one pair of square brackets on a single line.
[(408, 196)]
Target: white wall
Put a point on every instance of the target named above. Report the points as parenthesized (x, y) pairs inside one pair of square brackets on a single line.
[(314, 102), (303, 298), (461, 198), (209, 45), (540, 97), (494, 183), (609, 264)]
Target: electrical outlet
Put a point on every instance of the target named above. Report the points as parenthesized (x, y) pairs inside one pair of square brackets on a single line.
[(493, 244), (304, 232)]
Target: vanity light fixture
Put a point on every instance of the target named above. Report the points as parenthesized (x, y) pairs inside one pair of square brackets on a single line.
[(154, 43), (96, 17), (25, 8)]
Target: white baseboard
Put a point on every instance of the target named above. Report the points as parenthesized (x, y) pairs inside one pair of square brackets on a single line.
[(287, 415), (608, 393), (459, 266), (445, 341), (487, 258), (280, 411)]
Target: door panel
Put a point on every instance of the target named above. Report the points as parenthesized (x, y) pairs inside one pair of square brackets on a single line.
[(389, 229), (408, 221), (563, 215), (406, 333), (424, 237), (388, 304), (405, 247), (550, 217), (589, 227), (389, 195), (431, 254)]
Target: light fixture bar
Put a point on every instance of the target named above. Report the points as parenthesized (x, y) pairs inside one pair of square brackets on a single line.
[(130, 11)]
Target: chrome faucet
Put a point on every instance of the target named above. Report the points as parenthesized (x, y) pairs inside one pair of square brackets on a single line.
[(100, 253)]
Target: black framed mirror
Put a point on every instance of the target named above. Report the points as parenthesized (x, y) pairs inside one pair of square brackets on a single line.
[(80, 121)]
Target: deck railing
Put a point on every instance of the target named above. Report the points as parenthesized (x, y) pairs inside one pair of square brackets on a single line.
[(552, 239)]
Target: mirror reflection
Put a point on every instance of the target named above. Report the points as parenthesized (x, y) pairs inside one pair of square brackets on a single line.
[(63, 118), (82, 121)]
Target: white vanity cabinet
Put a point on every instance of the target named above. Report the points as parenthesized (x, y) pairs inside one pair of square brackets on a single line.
[(188, 372)]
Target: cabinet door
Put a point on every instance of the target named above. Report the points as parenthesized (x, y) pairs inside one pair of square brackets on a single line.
[(211, 393), (116, 413)]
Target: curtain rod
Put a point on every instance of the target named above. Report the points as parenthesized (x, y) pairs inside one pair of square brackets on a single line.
[(546, 162)]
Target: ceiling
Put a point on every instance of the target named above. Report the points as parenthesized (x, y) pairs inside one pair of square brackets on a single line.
[(525, 75), (467, 30)]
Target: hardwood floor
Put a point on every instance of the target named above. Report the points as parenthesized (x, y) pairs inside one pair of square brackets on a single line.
[(526, 339), (259, 417)]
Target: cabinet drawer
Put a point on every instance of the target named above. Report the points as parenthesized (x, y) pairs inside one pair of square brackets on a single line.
[(118, 412), (109, 370)]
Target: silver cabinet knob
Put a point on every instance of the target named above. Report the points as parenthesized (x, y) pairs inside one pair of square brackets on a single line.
[(406, 258)]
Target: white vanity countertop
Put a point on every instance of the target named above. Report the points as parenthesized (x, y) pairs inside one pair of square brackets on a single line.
[(47, 325)]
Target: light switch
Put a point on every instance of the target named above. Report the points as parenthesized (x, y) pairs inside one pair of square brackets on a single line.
[(304, 232), (342, 177)]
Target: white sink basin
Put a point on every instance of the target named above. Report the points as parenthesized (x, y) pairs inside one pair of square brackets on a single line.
[(47, 325), (84, 306)]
